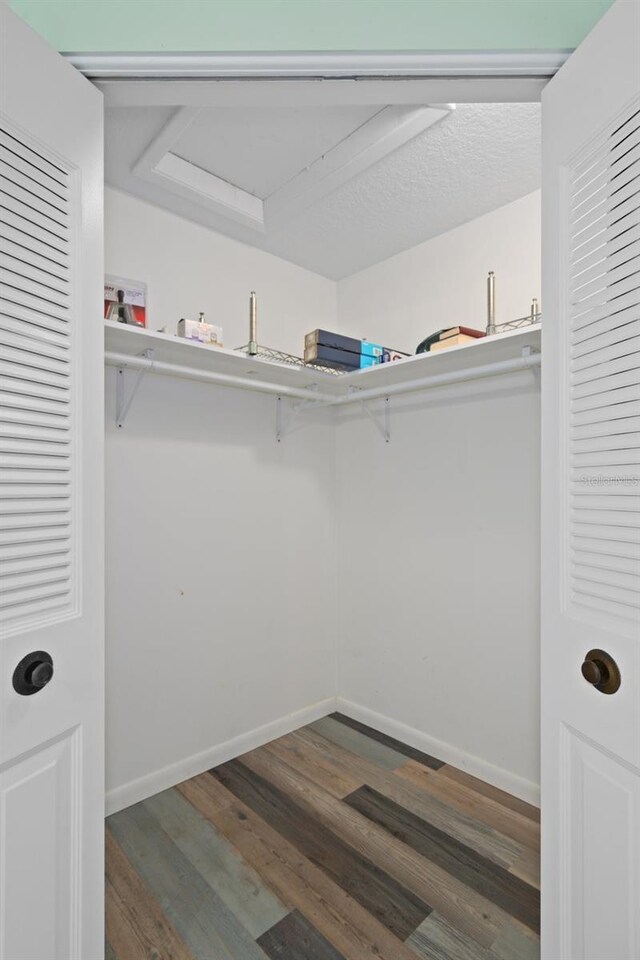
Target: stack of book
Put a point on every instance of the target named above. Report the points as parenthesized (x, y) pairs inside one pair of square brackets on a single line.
[(451, 337), (327, 349)]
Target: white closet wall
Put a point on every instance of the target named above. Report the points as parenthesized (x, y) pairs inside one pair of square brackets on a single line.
[(225, 549), (442, 282), (220, 543), (438, 532)]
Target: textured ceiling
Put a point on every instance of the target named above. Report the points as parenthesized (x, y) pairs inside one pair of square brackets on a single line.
[(478, 158)]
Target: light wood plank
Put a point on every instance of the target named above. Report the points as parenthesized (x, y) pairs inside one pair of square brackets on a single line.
[(214, 858), (527, 867), (198, 914), (516, 943), (466, 909), (502, 850), (488, 790), (436, 939), (300, 885), (137, 928), (378, 753), (477, 805), (300, 756)]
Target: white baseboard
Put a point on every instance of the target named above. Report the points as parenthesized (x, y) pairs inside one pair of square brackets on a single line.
[(169, 776), (476, 766)]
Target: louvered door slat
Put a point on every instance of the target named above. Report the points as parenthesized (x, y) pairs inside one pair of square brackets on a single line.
[(23, 240), (26, 227), (629, 566), (31, 186), (30, 214), (604, 366), (22, 165), (36, 159), (617, 246), (606, 156), (23, 264), (605, 398), (36, 417), (31, 321)]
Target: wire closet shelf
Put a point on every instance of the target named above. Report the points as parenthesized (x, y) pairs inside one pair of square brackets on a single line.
[(269, 355)]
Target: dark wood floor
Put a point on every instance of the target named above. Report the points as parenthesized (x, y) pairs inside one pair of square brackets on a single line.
[(332, 842)]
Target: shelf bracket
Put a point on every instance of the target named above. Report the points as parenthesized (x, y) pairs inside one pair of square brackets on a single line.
[(124, 401), (382, 422), (287, 414), (528, 352)]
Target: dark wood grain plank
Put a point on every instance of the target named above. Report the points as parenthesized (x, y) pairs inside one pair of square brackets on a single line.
[(294, 938), (495, 883), (473, 913), (137, 927), (295, 880), (394, 906), (484, 839), (409, 752)]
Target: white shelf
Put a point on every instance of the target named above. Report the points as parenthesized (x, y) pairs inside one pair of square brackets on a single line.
[(126, 345)]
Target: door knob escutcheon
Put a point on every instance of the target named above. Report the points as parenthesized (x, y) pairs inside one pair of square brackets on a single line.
[(601, 671), (33, 673)]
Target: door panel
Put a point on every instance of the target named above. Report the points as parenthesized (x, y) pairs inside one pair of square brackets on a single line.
[(51, 504), (591, 495)]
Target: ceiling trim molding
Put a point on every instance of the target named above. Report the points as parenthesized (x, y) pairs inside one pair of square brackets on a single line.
[(230, 66)]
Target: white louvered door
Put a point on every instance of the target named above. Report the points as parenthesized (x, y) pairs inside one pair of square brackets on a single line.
[(51, 504), (591, 497)]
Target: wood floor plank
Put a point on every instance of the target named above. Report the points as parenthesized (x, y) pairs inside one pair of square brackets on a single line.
[(198, 914), (410, 752), (477, 805), (488, 790), (527, 867), (137, 928), (495, 883), (296, 881), (294, 938), (361, 745), (299, 756), (485, 840), (109, 952), (466, 909), (436, 939), (515, 943), (394, 906), (214, 858)]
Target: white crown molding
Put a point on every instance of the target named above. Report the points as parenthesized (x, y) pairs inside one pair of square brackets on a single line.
[(348, 65)]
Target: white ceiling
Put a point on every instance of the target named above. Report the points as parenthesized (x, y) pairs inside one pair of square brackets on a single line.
[(386, 198)]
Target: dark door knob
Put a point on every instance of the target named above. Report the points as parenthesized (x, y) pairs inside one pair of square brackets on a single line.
[(601, 671), (33, 673)]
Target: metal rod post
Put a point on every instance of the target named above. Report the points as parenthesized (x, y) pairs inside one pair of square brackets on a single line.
[(253, 324), (491, 304)]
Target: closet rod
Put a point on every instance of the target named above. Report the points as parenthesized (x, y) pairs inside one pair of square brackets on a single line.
[(525, 362), (223, 379)]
